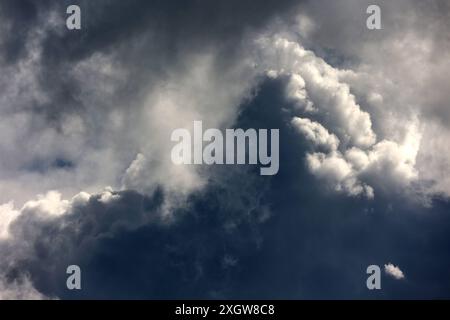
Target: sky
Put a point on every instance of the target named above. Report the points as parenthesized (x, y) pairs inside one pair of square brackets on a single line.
[(86, 176)]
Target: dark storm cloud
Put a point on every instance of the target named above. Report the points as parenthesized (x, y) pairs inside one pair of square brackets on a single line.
[(109, 23), (18, 17), (126, 249), (317, 244), (224, 244), (50, 245)]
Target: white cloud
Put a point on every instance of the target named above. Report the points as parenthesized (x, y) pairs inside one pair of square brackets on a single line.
[(355, 162), (315, 85), (108, 196), (21, 228), (398, 77), (49, 205), (338, 173), (316, 133), (394, 271), (7, 215)]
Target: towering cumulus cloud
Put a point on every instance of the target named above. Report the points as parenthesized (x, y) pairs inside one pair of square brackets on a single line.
[(86, 174), (321, 92)]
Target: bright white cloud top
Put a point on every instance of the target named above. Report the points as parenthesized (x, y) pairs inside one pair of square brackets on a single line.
[(394, 271)]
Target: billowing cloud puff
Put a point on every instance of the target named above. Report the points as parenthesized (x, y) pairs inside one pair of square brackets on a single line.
[(394, 271), (396, 75), (53, 228), (354, 160), (7, 215), (316, 133), (339, 173), (315, 85)]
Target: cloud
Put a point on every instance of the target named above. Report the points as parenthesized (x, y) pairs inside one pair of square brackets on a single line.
[(19, 289), (7, 215), (84, 112), (324, 92), (88, 105), (49, 233), (394, 271), (337, 172), (396, 74), (352, 158), (316, 133), (81, 112)]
